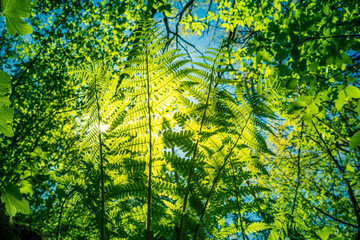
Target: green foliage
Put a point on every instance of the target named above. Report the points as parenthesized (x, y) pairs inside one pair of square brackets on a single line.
[(257, 226), (6, 118), (14, 12), (4, 88), (354, 141), (326, 232), (13, 200), (141, 111), (6, 113), (116, 134)]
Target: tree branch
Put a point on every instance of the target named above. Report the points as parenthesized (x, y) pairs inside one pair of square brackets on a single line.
[(181, 15), (350, 190), (328, 215), (37, 55)]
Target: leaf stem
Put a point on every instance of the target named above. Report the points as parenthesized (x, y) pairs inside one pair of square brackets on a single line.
[(237, 202), (148, 221), (218, 176), (102, 194), (181, 230)]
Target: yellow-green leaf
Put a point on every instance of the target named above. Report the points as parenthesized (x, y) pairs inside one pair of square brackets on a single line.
[(15, 11), (354, 141), (13, 200), (257, 226), (352, 91), (326, 232), (339, 103)]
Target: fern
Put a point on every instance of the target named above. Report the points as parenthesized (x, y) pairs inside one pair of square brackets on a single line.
[(175, 138), (224, 141), (257, 226), (148, 91), (201, 86), (99, 93)]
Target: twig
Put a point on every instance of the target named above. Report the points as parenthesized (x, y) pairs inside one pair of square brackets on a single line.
[(335, 131), (328, 215), (36, 56), (181, 15), (350, 190), (190, 44), (318, 209)]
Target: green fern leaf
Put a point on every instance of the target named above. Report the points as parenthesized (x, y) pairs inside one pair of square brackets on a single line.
[(257, 226)]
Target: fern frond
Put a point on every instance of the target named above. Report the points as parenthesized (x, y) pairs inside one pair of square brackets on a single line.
[(257, 226), (177, 162), (180, 139), (252, 189), (127, 191)]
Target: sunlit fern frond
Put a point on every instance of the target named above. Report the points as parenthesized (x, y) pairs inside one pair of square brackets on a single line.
[(224, 125), (100, 88), (139, 125)]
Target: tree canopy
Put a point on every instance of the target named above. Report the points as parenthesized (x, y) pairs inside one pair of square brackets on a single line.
[(156, 119)]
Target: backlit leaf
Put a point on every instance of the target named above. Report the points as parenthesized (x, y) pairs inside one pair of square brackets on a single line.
[(339, 103), (354, 141), (326, 232), (15, 11), (6, 117), (352, 91), (13, 200), (257, 226)]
